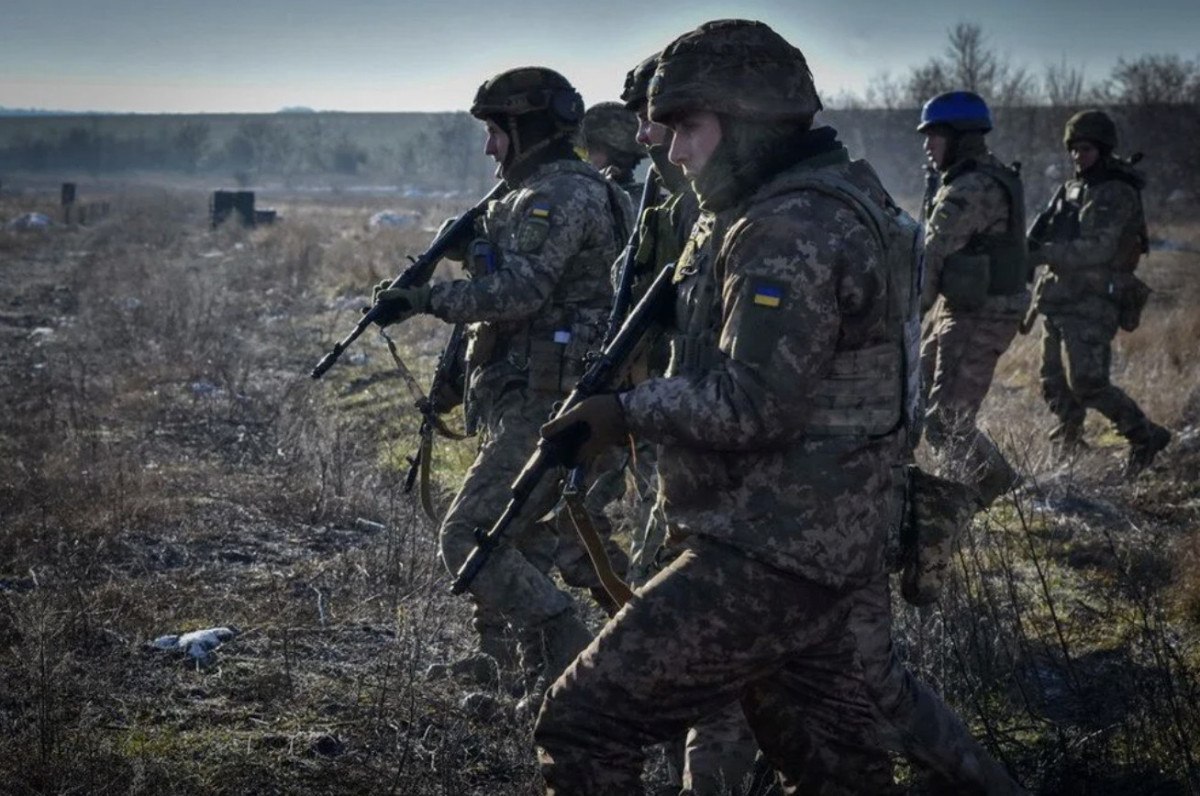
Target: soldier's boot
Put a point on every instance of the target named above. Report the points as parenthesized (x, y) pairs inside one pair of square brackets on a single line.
[(1145, 447), (494, 663), (998, 478), (1068, 437), (478, 668), (546, 650)]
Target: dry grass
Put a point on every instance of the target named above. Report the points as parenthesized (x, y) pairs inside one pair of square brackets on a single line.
[(166, 464)]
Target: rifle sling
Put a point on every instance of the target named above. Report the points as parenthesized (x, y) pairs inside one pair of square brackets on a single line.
[(433, 423), (424, 493), (617, 589)]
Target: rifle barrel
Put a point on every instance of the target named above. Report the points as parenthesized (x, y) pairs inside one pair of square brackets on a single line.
[(418, 273)]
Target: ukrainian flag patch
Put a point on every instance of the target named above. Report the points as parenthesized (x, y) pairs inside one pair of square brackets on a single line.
[(768, 295), (540, 210)]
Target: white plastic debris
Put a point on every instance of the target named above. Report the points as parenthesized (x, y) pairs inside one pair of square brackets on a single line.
[(197, 644), (393, 219), (31, 221)]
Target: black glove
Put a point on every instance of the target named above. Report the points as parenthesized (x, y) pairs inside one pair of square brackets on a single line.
[(587, 429), (395, 304)]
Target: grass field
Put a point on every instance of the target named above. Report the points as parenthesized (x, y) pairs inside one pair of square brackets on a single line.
[(168, 465)]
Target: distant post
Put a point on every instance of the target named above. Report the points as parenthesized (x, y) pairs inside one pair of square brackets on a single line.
[(68, 200)]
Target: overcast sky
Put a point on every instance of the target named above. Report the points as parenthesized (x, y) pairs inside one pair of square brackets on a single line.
[(404, 55)]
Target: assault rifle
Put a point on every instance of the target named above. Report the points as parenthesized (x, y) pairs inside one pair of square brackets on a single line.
[(623, 297), (417, 273), (600, 376)]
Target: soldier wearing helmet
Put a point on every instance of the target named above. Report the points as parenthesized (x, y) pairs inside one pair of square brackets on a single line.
[(536, 303), (1092, 236), (610, 138), (976, 275), (783, 421)]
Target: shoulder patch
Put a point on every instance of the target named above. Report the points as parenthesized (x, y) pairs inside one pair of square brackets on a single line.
[(533, 226), (767, 294)]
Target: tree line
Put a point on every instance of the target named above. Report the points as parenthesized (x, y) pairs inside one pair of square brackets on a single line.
[(970, 63)]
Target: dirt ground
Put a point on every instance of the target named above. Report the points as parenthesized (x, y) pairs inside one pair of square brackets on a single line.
[(168, 465)]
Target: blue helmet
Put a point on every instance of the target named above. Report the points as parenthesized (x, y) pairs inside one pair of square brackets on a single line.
[(961, 111)]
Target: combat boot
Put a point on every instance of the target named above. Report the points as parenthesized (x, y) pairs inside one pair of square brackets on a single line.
[(1143, 450), (999, 479), (494, 664), (1069, 438), (546, 650)]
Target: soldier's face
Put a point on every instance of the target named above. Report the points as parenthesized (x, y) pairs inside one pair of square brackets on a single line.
[(496, 145), (1085, 155), (651, 133), (697, 134), (935, 149)]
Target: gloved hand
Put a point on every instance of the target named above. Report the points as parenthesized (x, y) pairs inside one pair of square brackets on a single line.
[(397, 303), (587, 429)]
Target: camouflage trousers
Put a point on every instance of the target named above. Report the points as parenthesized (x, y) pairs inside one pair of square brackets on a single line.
[(959, 353), (1081, 382), (515, 586), (712, 629), (913, 719)]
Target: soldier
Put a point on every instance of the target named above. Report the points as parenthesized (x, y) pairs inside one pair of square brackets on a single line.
[(537, 302), (609, 133), (1092, 236), (782, 429), (975, 260)]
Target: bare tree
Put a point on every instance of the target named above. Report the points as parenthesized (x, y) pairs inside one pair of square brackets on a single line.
[(1062, 85), (970, 65), (884, 91), (1154, 80), (927, 80)]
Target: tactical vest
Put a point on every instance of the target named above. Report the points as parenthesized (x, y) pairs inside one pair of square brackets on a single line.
[(868, 391), (551, 346), (991, 264), (1063, 223)]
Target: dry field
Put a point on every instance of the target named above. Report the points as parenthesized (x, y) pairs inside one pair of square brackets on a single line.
[(167, 465)]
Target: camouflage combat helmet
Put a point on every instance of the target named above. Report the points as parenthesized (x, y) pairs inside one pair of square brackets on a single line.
[(611, 125), (529, 89), (637, 83), (735, 67), (1091, 125)]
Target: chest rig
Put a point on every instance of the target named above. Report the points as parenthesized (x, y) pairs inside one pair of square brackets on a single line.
[(550, 346), (867, 391), (992, 264), (1066, 209)]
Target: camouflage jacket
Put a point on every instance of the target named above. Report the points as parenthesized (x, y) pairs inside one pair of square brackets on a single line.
[(965, 210), (539, 293), (788, 282), (1097, 230)]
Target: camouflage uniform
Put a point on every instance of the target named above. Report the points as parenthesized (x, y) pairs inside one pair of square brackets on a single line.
[(963, 345), (772, 288), (1096, 233), (782, 430), (536, 301)]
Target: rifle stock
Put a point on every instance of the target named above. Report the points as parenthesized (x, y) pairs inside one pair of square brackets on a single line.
[(599, 377), (418, 273)]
